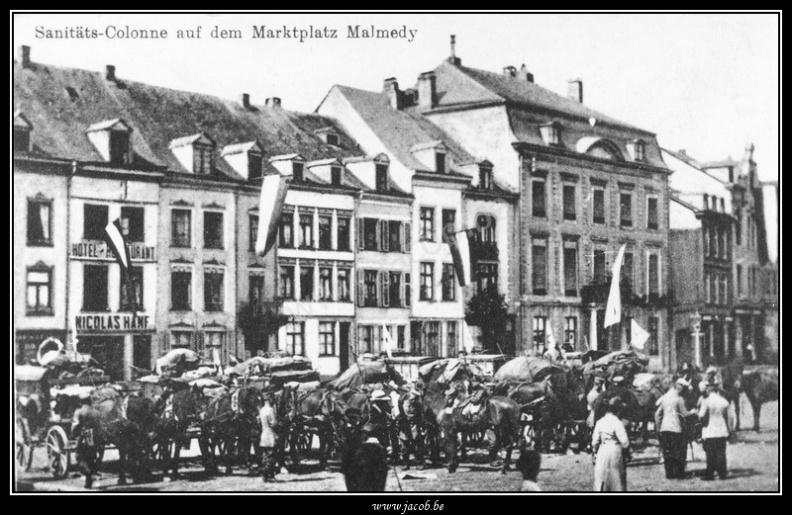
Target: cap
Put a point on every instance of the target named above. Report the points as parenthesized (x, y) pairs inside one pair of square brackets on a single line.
[(617, 379), (599, 379), (682, 382)]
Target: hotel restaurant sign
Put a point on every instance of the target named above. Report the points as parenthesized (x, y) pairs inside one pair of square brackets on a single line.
[(100, 250)]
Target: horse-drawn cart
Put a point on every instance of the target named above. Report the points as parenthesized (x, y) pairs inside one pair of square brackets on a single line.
[(45, 407)]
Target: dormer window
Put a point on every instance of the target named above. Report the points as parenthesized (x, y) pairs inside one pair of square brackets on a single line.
[(637, 150), (332, 139), (329, 136), (485, 176), (22, 128), (202, 159), (254, 165), (335, 175), (195, 153), (440, 161), (551, 133), (382, 177), (297, 171), (245, 158), (111, 139)]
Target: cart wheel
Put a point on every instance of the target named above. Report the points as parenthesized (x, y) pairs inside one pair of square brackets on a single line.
[(58, 452), (475, 439), (24, 445), (304, 442)]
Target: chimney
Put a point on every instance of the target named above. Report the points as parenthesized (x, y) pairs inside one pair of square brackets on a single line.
[(23, 55), (110, 73), (274, 102), (453, 59), (524, 74), (575, 90), (245, 100), (391, 88), (427, 90), (509, 71), (682, 152)]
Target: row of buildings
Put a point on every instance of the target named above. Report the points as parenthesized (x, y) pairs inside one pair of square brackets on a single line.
[(377, 179)]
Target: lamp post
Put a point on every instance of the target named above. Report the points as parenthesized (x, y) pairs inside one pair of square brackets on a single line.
[(695, 321)]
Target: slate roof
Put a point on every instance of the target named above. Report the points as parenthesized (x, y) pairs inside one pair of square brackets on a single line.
[(400, 130), (62, 103)]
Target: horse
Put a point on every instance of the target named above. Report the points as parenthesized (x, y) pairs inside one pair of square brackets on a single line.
[(319, 411), (649, 391), (363, 464), (498, 413), (760, 386), (230, 424), (184, 410), (132, 442)]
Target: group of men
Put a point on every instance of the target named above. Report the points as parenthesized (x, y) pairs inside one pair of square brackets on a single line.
[(675, 420)]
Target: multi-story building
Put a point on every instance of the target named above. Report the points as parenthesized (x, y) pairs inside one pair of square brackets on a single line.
[(751, 250), (435, 171), (587, 184), (182, 172), (701, 238), (771, 200)]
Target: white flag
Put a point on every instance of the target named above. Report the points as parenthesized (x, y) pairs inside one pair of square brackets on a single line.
[(387, 341), (74, 339), (273, 195), (467, 338), (551, 339), (613, 310), (638, 336)]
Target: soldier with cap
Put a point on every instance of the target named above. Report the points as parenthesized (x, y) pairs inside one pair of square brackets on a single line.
[(670, 422), (717, 425), (269, 438)]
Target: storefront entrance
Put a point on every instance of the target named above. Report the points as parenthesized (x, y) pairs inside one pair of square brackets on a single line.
[(141, 352)]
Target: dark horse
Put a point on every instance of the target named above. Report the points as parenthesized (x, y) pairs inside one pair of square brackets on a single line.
[(230, 423), (131, 441), (760, 386), (185, 411), (500, 414)]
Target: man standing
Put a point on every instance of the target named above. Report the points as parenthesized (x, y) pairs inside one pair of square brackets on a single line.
[(268, 438), (717, 424), (591, 398), (85, 425), (669, 417)]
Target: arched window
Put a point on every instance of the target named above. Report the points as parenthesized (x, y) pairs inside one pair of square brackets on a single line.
[(486, 225), (606, 150)]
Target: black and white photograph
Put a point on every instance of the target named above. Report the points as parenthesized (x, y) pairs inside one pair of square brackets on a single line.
[(389, 253)]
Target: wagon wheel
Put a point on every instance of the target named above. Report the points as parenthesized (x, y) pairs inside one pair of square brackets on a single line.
[(24, 445), (58, 452), (304, 441)]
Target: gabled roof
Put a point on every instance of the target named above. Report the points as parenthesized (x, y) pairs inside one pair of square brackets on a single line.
[(723, 163), (190, 140), (399, 130), (158, 116), (238, 148), (109, 124)]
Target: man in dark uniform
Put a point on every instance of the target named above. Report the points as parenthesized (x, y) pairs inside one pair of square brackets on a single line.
[(85, 427)]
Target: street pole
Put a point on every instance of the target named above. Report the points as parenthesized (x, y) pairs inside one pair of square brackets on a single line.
[(697, 341)]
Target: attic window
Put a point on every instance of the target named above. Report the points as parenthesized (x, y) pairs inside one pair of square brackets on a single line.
[(440, 161), (335, 175), (550, 133), (382, 177), (297, 171), (331, 139), (637, 149), (485, 177), (254, 165), (202, 159), (21, 139), (119, 147)]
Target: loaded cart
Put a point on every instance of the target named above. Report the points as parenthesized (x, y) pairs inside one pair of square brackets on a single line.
[(44, 409)]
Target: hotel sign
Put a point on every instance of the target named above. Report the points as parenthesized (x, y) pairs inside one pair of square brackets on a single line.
[(112, 322), (100, 250)]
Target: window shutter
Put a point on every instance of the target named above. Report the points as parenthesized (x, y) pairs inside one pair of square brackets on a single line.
[(360, 288), (407, 237), (376, 344), (359, 234), (165, 344), (406, 298), (384, 236), (385, 288)]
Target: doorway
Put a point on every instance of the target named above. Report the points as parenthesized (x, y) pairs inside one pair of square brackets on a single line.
[(108, 351)]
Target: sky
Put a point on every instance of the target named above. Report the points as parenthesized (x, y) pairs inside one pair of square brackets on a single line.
[(706, 83)]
